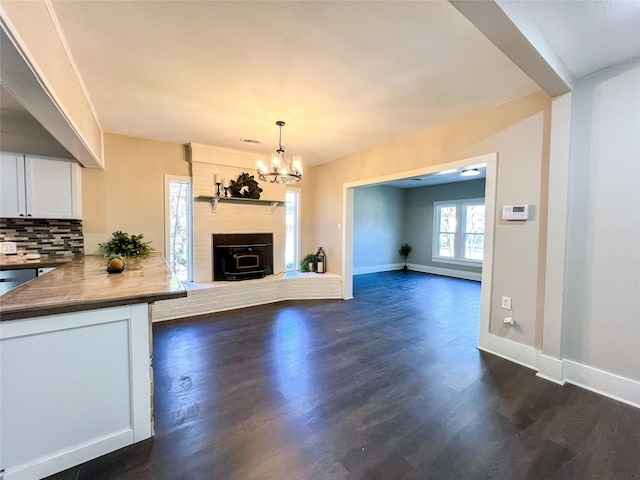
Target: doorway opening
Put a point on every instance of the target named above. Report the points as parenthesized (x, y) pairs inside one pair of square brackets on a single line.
[(489, 163)]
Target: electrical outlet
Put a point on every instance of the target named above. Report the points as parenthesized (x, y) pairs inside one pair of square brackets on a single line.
[(8, 248), (506, 303)]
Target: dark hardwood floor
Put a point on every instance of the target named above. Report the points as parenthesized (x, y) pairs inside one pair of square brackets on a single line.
[(389, 385)]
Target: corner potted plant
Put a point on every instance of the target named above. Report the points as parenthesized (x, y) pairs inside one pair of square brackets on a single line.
[(306, 265), (404, 253)]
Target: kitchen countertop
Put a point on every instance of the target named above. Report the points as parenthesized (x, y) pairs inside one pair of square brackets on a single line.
[(19, 262), (84, 284)]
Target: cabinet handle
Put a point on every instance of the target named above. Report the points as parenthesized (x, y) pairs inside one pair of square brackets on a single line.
[(28, 214), (22, 214)]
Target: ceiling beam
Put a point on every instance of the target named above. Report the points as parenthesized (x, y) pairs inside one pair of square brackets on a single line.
[(19, 77), (509, 28)]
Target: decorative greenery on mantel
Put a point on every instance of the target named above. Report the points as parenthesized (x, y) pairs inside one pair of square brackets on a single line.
[(245, 187)]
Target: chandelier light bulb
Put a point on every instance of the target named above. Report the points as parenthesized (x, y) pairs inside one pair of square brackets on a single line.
[(297, 164)]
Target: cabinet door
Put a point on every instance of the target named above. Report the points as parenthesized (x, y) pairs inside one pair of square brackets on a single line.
[(52, 188), (12, 197)]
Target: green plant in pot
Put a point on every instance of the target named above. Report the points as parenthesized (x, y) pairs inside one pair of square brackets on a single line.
[(125, 245), (306, 265), (404, 253)]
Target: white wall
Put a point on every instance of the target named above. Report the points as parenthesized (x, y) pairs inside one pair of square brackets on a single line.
[(231, 217), (601, 324), (377, 228)]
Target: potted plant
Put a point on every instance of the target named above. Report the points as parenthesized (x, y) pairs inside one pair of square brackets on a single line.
[(404, 253), (126, 245), (306, 265)]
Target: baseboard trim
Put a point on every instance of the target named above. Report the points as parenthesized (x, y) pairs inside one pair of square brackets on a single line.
[(76, 455), (377, 268), (509, 350), (558, 371), (610, 385), (550, 369), (447, 272)]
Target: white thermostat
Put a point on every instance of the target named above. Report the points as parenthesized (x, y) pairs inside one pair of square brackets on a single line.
[(515, 212)]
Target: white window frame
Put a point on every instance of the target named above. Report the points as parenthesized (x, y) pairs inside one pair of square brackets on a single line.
[(459, 235), (296, 232), (168, 179)]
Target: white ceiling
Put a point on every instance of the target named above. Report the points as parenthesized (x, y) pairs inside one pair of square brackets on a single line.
[(589, 35), (343, 75)]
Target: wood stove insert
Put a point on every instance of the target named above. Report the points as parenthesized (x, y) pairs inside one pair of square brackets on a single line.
[(242, 256)]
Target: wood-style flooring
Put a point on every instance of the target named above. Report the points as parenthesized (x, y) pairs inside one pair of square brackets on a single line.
[(388, 385)]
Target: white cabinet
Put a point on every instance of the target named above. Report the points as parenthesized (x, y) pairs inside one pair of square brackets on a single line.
[(74, 386), (39, 187), (12, 199)]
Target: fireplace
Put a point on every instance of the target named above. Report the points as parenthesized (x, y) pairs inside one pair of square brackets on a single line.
[(242, 256)]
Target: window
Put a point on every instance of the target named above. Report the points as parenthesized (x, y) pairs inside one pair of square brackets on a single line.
[(178, 225), (292, 224), (459, 231)]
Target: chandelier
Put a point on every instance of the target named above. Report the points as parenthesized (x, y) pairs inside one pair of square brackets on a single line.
[(280, 170)]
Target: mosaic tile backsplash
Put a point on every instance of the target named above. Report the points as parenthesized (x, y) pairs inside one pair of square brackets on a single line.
[(43, 235)]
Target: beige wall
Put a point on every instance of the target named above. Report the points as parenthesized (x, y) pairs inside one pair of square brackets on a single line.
[(129, 194), (519, 132), (308, 242)]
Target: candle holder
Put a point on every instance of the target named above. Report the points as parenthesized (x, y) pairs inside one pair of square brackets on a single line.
[(218, 189), (226, 191)]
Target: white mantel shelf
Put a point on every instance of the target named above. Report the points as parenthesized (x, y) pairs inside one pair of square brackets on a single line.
[(215, 199)]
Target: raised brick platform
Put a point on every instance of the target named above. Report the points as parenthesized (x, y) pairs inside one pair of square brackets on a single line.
[(219, 296)]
